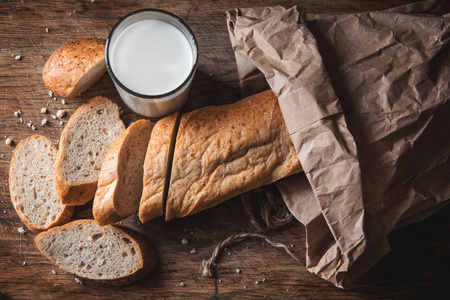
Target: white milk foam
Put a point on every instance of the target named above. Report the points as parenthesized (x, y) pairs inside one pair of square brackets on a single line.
[(151, 57)]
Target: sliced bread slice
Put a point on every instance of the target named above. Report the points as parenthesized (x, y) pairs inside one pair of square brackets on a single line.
[(157, 168), (32, 185), (83, 145), (75, 67), (120, 182), (110, 254)]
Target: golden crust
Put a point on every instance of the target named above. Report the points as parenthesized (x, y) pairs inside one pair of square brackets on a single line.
[(155, 168), (224, 151), (106, 208), (75, 66)]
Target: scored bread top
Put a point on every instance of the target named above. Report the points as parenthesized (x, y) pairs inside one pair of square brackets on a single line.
[(111, 254), (156, 165), (32, 185), (224, 151), (75, 66), (83, 145), (120, 181)]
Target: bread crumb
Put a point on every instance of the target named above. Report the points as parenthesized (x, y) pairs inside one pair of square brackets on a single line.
[(53, 272), (245, 286), (61, 123), (264, 280), (18, 57), (256, 282), (184, 241), (43, 121), (20, 120), (193, 251), (53, 116), (54, 99), (46, 29), (238, 271), (182, 284), (50, 93), (60, 113), (33, 128), (63, 102), (21, 230), (78, 281), (220, 280), (2, 155), (17, 113), (92, 1), (8, 141), (24, 263), (43, 110)]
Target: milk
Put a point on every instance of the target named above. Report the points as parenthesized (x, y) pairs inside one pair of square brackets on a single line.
[(151, 57)]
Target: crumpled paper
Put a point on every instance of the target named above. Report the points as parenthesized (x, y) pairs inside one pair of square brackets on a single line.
[(365, 98)]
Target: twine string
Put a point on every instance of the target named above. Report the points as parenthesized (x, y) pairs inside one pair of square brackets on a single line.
[(210, 264)]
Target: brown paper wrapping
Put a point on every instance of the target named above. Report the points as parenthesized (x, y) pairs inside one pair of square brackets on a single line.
[(365, 99)]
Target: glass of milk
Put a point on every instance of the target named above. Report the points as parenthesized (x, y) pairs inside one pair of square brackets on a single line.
[(151, 56)]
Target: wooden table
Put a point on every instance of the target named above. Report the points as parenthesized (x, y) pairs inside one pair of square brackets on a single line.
[(417, 267)]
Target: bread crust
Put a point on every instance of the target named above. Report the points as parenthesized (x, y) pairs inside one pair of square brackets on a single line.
[(156, 166), (74, 67), (75, 193), (224, 151), (65, 214), (148, 264), (106, 208)]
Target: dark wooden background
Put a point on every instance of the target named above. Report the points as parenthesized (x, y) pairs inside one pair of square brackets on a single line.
[(417, 267)]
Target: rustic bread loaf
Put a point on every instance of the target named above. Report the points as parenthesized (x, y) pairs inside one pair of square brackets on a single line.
[(223, 151), (32, 185), (156, 167), (75, 67), (83, 145), (119, 187), (110, 254)]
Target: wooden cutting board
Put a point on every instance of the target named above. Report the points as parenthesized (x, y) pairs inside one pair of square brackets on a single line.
[(417, 266)]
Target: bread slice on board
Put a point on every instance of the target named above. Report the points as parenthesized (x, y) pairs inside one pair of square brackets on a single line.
[(32, 185), (223, 151), (119, 187), (157, 164), (75, 67), (109, 254), (83, 145)]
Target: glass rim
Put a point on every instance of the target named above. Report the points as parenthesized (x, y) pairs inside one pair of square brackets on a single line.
[(114, 77)]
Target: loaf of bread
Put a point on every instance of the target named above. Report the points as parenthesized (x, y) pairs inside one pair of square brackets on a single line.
[(109, 254), (75, 67), (83, 145), (223, 151), (120, 181), (32, 185), (156, 167)]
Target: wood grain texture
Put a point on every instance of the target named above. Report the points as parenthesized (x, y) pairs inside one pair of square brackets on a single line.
[(417, 267)]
